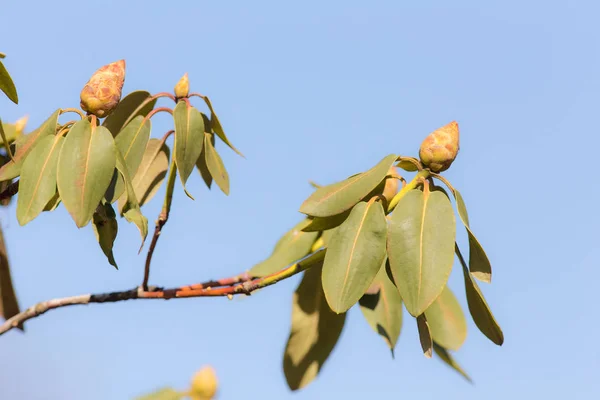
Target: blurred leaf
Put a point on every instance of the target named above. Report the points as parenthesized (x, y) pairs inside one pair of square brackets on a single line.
[(129, 107), (420, 247), (105, 229), (447, 321), (150, 174), (324, 223), (37, 185), (7, 85), (449, 360), (24, 145), (479, 264), (132, 143), (314, 333), (215, 165), (131, 208), (478, 307), (9, 306), (425, 335), (382, 308), (293, 246), (338, 197), (3, 186), (189, 136), (218, 128), (85, 167), (354, 256), (11, 132), (201, 164), (5, 140), (407, 166), (163, 394)]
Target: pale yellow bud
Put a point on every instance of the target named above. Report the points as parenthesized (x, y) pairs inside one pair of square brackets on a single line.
[(204, 384), (182, 89), (440, 148), (102, 93)]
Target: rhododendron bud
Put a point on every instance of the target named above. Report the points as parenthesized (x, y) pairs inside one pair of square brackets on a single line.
[(102, 93), (440, 148)]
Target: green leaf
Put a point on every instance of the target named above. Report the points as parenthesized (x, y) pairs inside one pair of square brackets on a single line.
[(338, 197), (24, 145), (479, 264), (9, 306), (105, 229), (85, 167), (5, 140), (447, 321), (54, 202), (382, 308), (218, 128), (201, 163), (163, 394), (37, 185), (314, 333), (189, 137), (328, 235), (132, 143), (318, 224), (425, 335), (292, 246), (129, 107), (7, 85), (420, 247), (478, 307), (150, 174), (407, 166), (446, 357), (354, 256), (10, 131), (215, 164), (131, 208)]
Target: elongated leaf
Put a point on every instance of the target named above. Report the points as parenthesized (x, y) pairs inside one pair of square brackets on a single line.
[(354, 256), (341, 196), (150, 174), (382, 308), (218, 128), (54, 202), (11, 131), (24, 145), (479, 264), (7, 85), (106, 228), (328, 235), (85, 167), (132, 142), (201, 163), (215, 165), (293, 246), (129, 107), (189, 139), (446, 357), (420, 247), (318, 224), (9, 306), (5, 141), (478, 307), (314, 333), (164, 394), (447, 321), (425, 335), (37, 185), (131, 208)]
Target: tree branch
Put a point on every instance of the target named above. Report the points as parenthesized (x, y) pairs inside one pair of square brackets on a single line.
[(239, 284)]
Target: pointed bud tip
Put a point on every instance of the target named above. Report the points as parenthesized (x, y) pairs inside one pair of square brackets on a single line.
[(182, 88), (204, 383), (440, 148)]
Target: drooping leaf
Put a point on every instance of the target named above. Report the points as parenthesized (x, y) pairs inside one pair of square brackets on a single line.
[(382, 308), (54, 202), (478, 307), (201, 164), (131, 208), (314, 333), (218, 128), (324, 223), (341, 196), (129, 107), (447, 321), (215, 165), (479, 264), (24, 145), (37, 185), (150, 174), (85, 167), (292, 246), (7, 85), (106, 228), (189, 139), (420, 247), (354, 255), (9, 306), (425, 335), (163, 394), (446, 357)]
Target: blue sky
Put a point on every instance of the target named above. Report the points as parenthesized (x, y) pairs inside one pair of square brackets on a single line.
[(320, 90)]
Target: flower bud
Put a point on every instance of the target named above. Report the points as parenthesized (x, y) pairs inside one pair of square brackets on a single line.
[(440, 148), (20, 124), (391, 185), (182, 89), (102, 93), (204, 384)]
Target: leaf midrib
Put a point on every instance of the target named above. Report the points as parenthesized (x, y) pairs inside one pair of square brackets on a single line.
[(39, 180)]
